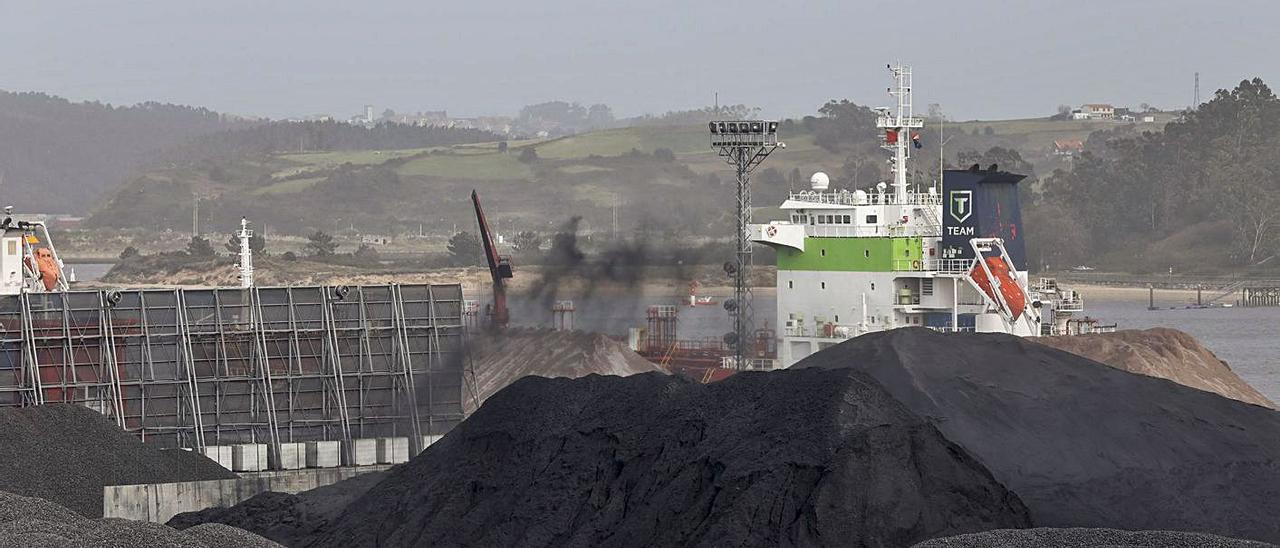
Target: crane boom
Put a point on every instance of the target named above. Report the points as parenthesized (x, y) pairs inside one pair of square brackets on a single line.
[(499, 269)]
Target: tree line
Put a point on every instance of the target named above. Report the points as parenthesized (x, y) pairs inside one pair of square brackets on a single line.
[(1211, 177)]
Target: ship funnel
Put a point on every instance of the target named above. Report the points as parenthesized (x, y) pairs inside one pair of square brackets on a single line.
[(820, 181)]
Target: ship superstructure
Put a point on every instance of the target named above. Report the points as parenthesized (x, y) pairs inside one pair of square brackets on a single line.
[(907, 253)]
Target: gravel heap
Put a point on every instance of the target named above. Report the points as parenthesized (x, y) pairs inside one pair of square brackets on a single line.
[(1165, 353), (29, 522), (67, 453), (787, 458), (500, 359), (1071, 538), (1081, 443)]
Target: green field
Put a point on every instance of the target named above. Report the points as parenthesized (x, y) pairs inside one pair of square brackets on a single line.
[(287, 187), (479, 166), (616, 142)]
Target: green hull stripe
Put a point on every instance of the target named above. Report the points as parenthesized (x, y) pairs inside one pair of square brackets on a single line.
[(850, 254)]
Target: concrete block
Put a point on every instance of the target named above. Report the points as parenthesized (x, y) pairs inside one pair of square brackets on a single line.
[(293, 456), (364, 451), (249, 457), (393, 450), (324, 454), (220, 454), (430, 439)]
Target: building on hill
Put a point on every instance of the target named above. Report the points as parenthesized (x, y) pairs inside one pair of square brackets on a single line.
[(1067, 148), (1099, 111)]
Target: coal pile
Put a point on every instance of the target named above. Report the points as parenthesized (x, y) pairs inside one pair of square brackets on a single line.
[(281, 517), (787, 458), (1073, 538), (67, 453), (29, 522), (1081, 443), (499, 359)]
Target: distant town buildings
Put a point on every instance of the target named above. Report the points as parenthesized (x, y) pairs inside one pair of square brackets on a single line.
[(431, 118), (1104, 111)]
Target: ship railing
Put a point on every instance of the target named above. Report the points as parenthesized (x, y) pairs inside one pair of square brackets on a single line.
[(949, 329), (952, 266), (1074, 304), (835, 231), (845, 197), (751, 364)]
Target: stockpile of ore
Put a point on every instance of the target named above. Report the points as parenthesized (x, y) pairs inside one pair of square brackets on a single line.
[(285, 518), (499, 359), (1081, 443), (1079, 537), (30, 522), (66, 453), (1165, 353), (846, 449), (785, 458)]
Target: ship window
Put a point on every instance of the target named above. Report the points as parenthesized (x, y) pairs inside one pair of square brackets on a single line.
[(824, 253), (848, 219), (873, 286), (824, 285), (791, 284), (906, 252), (866, 253), (837, 318), (871, 219)]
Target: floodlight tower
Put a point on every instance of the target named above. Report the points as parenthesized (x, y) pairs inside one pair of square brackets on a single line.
[(744, 144)]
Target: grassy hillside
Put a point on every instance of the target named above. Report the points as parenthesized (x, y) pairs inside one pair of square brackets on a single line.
[(390, 192)]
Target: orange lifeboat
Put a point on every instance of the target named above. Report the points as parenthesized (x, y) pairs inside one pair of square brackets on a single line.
[(1009, 288), (48, 268)]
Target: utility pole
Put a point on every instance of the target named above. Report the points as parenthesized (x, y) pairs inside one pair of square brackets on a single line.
[(195, 217), (1196, 102)]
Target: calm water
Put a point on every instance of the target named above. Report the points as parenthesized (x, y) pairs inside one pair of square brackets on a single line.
[(89, 272), (1248, 339)]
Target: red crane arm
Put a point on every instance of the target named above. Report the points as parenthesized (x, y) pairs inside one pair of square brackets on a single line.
[(490, 251)]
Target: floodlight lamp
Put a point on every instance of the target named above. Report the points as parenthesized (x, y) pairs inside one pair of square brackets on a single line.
[(712, 126), (733, 127), (722, 128), (773, 127), (757, 127)]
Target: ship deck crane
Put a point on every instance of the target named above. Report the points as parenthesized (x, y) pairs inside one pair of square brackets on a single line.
[(499, 270)]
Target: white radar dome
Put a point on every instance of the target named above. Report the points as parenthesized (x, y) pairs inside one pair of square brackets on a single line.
[(820, 181)]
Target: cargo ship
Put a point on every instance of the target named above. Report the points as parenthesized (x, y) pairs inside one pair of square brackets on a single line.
[(263, 370), (947, 255)]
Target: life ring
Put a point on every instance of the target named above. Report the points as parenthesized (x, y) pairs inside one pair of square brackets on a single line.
[(915, 265), (771, 231)]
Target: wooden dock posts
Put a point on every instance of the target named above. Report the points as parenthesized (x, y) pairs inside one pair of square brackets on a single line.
[(1260, 296)]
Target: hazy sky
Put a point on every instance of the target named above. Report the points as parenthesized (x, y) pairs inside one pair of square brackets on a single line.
[(979, 59)]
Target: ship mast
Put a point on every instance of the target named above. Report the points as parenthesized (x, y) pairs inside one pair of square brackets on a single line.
[(898, 124), (246, 254)]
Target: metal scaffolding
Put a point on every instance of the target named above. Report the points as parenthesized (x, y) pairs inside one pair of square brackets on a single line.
[(198, 367)]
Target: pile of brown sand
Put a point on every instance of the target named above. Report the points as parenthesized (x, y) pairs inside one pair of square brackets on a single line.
[(500, 359), (1163, 353)]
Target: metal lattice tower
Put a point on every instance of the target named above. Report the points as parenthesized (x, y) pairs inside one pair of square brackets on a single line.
[(743, 145)]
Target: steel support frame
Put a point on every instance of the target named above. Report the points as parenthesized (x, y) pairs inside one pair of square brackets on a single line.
[(231, 370)]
